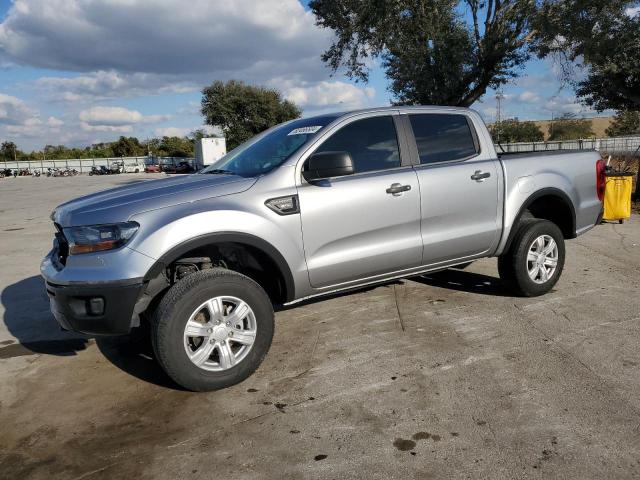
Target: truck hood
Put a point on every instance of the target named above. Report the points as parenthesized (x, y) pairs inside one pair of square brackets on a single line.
[(120, 203)]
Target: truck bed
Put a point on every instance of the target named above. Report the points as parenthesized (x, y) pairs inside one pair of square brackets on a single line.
[(544, 153)]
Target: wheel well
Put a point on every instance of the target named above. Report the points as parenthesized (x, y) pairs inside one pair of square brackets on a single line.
[(550, 206), (249, 260), (555, 209)]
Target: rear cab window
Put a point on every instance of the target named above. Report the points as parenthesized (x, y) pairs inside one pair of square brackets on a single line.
[(443, 137)]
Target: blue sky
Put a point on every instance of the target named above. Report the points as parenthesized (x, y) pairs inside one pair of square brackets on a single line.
[(76, 72)]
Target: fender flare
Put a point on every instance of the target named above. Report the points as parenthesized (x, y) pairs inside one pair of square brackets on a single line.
[(225, 237), (544, 192)]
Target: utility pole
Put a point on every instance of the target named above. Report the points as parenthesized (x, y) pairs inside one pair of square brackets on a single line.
[(499, 98)]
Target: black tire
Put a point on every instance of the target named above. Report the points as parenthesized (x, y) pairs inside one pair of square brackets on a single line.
[(173, 312), (512, 265)]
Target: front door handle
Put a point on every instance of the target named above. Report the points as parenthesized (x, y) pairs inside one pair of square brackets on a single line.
[(396, 189), (479, 176)]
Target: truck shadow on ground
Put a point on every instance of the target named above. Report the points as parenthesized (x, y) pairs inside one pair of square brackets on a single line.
[(134, 355), (28, 319), (451, 279), (465, 281)]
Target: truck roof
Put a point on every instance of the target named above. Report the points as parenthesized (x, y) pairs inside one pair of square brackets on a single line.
[(391, 107)]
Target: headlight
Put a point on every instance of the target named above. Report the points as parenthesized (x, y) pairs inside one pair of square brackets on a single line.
[(97, 238)]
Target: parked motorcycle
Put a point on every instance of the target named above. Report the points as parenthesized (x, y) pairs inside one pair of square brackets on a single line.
[(5, 172), (36, 173)]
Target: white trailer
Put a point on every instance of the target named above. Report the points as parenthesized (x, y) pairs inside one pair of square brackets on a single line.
[(209, 149)]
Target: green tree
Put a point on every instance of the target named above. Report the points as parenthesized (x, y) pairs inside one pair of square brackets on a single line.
[(625, 122), (9, 151), (201, 133), (171, 147), (569, 127), (513, 130), (601, 36), (127, 147), (242, 111), (431, 51)]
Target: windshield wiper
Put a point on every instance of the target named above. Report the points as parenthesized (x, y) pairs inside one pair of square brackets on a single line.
[(219, 171)]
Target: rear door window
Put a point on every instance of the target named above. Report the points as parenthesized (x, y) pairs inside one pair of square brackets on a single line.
[(443, 137)]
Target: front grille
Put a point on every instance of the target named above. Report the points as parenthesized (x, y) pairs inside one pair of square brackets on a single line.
[(62, 246)]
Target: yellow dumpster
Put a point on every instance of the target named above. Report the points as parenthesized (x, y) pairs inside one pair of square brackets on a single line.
[(617, 196)]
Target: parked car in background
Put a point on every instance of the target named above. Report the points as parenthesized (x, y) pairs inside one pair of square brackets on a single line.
[(168, 168), (182, 167), (99, 170), (132, 167), (117, 167), (308, 208), (152, 168)]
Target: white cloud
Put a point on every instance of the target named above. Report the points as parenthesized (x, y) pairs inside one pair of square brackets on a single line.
[(191, 108), (173, 131), (114, 119), (54, 122), (31, 128), (632, 11), (130, 48), (17, 119), (104, 85), (264, 39), (13, 111), (113, 116), (529, 97), (565, 104), (184, 132), (330, 94)]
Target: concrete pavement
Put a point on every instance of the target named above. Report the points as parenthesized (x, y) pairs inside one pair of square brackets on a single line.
[(443, 376)]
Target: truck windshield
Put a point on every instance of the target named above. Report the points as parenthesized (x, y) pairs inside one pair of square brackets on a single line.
[(257, 157)]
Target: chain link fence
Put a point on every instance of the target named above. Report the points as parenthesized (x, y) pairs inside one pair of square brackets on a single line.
[(84, 165), (612, 146)]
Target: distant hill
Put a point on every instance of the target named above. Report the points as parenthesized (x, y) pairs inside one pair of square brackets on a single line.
[(598, 125)]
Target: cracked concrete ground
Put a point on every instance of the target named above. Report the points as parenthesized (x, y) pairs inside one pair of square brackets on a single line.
[(468, 382)]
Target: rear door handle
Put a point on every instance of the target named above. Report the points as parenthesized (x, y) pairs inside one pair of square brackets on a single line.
[(396, 189), (479, 176)]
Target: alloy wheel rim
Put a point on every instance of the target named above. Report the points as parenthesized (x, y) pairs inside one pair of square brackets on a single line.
[(220, 333), (542, 259)]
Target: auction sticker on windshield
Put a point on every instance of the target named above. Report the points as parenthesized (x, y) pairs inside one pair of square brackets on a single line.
[(304, 130)]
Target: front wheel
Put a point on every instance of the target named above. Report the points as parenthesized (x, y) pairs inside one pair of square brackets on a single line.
[(535, 260), (212, 329)]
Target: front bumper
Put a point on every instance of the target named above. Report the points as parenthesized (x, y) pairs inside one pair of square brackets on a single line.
[(71, 305), (112, 280)]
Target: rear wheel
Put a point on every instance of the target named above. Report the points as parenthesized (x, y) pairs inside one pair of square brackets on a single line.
[(534, 263), (212, 329)]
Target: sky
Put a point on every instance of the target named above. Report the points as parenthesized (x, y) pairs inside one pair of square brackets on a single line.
[(77, 72)]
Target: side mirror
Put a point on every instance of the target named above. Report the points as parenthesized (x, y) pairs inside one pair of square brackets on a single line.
[(328, 164)]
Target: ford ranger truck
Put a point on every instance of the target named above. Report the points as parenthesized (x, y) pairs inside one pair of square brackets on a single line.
[(308, 208)]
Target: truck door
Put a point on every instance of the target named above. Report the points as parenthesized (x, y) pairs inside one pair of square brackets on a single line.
[(458, 185), (360, 225)]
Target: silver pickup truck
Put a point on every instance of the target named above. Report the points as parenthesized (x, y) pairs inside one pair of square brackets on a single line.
[(307, 208)]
